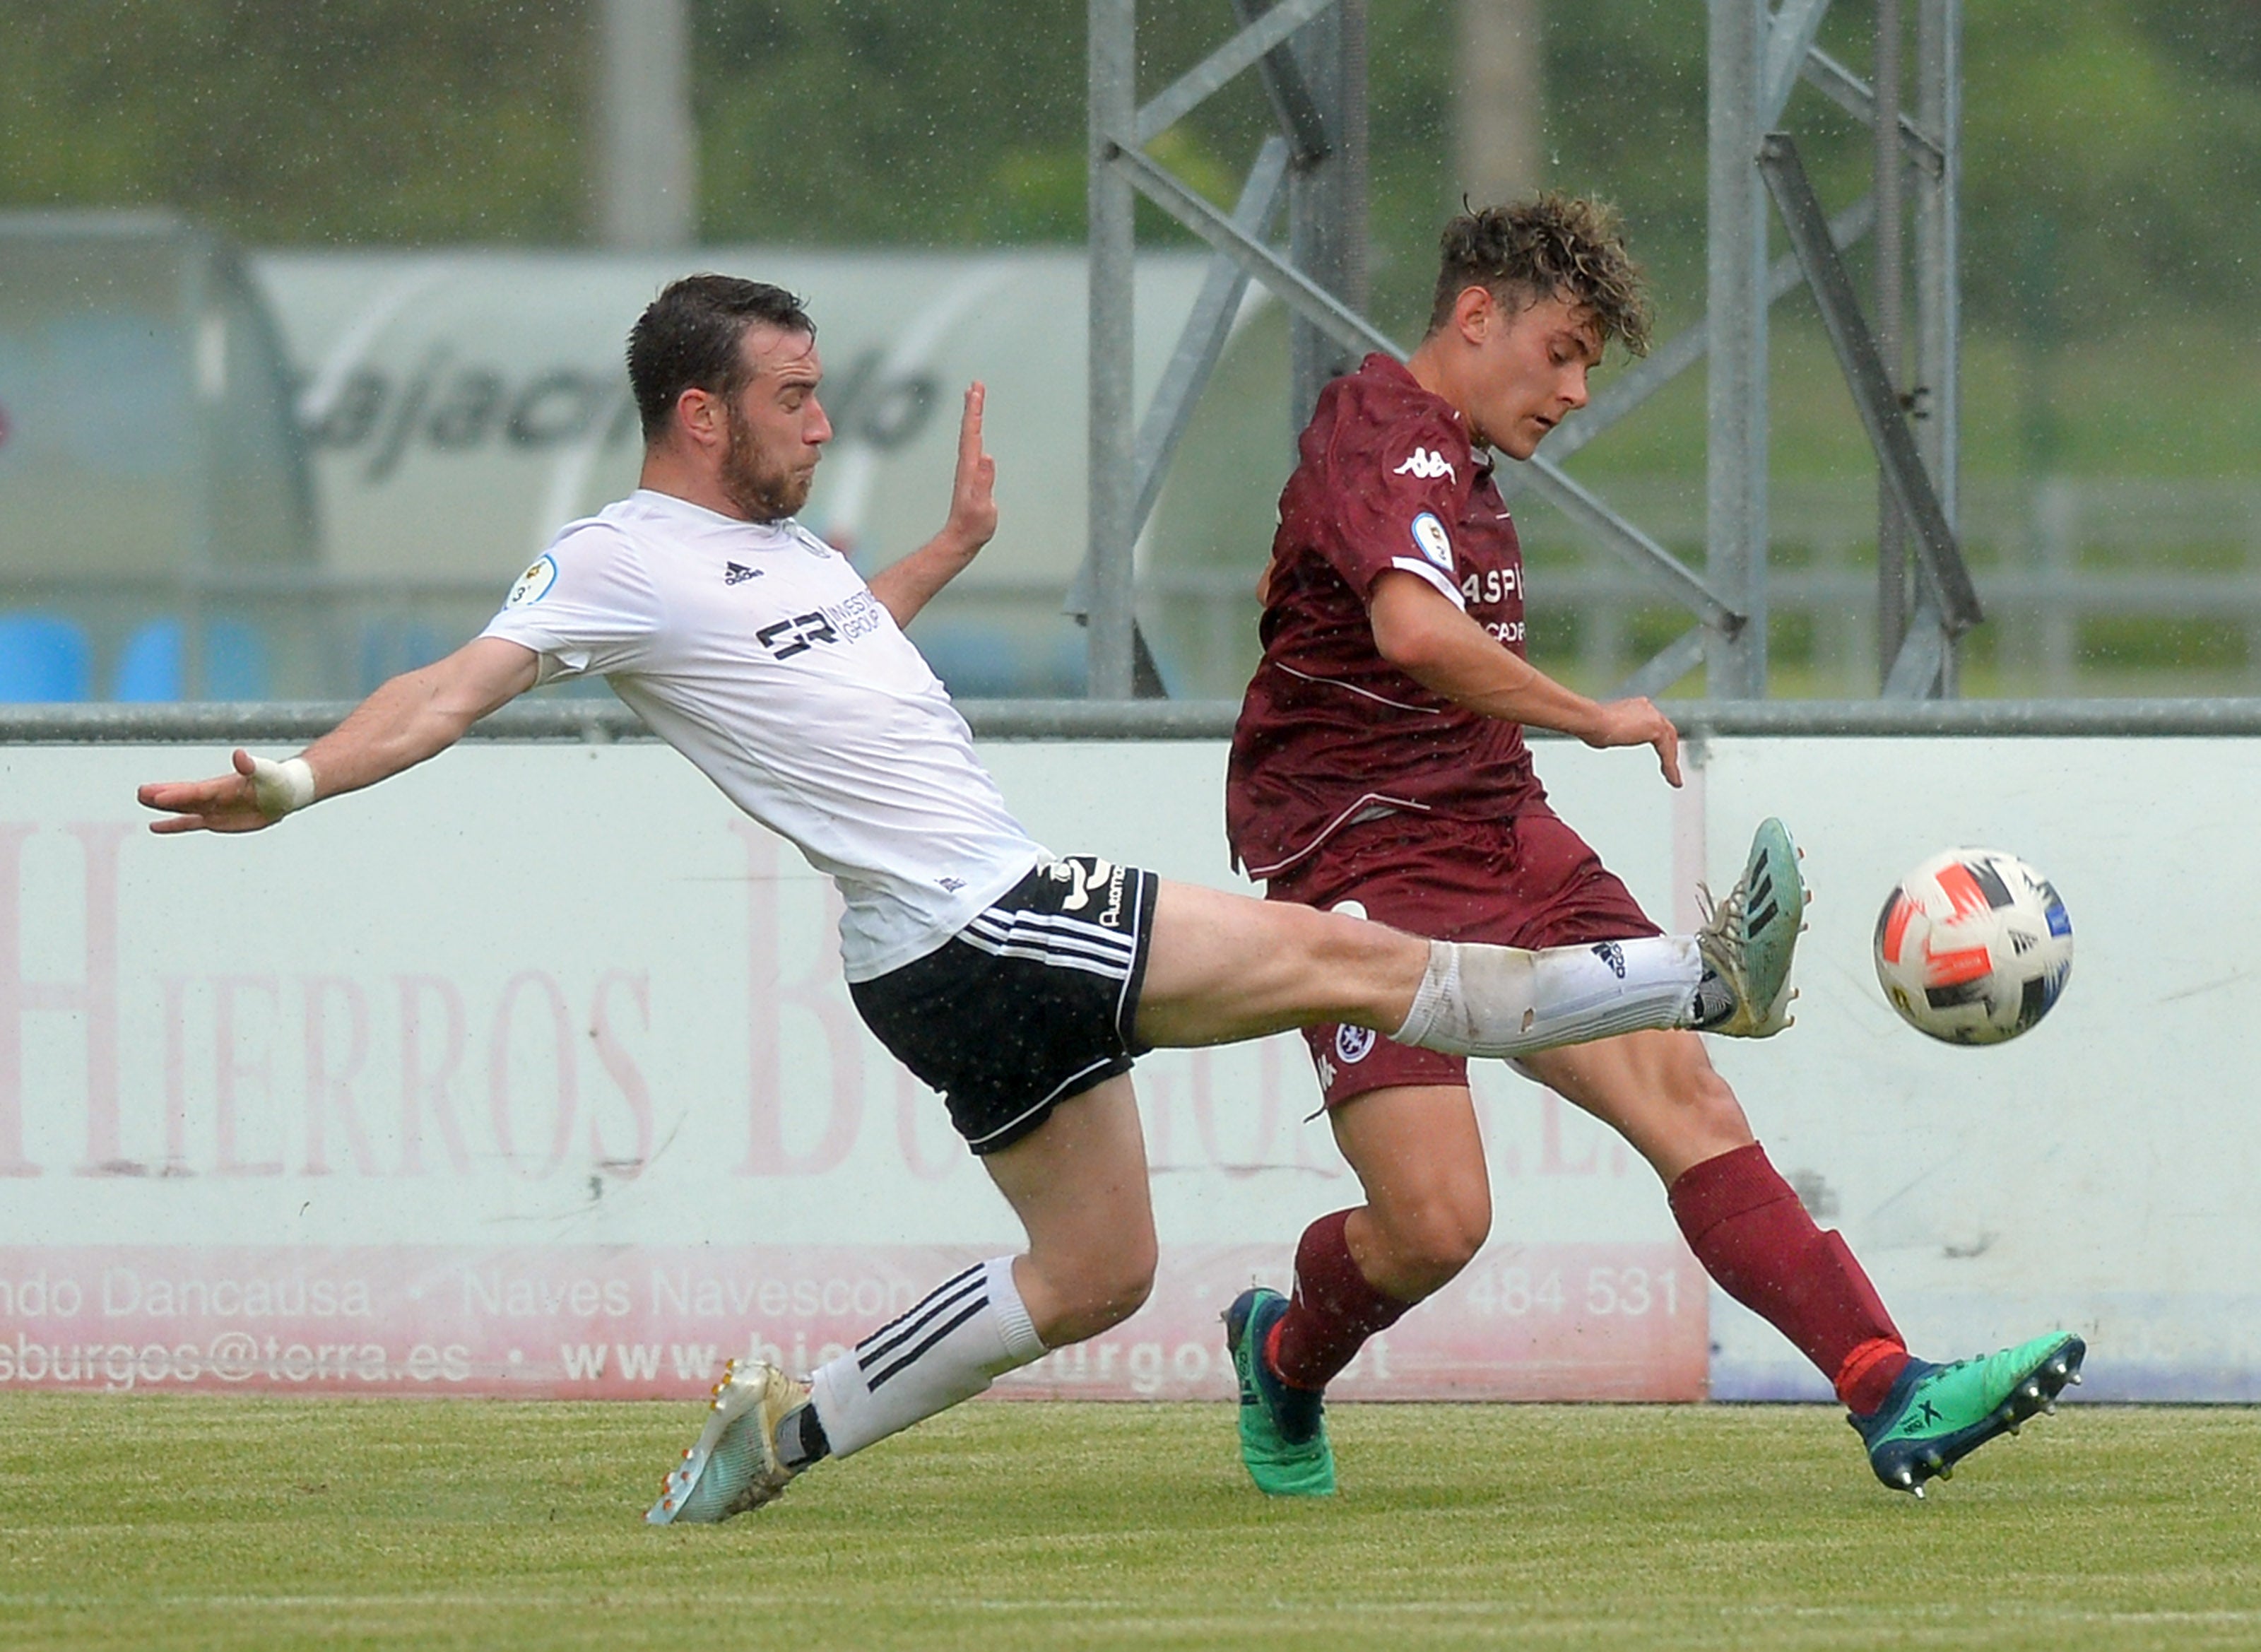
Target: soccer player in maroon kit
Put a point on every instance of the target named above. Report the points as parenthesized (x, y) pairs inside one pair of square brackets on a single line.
[(1379, 766)]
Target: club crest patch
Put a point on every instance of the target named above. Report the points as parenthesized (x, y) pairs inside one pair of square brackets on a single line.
[(1435, 543), (534, 583), (1352, 1043)]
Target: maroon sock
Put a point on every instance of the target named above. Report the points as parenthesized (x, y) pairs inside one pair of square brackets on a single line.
[(1752, 1235), (1334, 1311)]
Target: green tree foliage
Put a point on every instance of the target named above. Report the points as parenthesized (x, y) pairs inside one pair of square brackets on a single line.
[(867, 121), (2114, 162), (376, 120), (2114, 146)]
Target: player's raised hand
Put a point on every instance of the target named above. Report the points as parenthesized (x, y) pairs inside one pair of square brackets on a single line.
[(906, 585), (258, 793), (1638, 722), (973, 491)]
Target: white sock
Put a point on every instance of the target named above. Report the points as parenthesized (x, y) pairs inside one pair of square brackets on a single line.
[(1480, 1000), (968, 1330)]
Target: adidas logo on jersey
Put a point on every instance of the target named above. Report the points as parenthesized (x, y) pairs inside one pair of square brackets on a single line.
[(1427, 465), (734, 575)]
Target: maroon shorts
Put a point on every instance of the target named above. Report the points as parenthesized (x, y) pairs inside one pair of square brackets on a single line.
[(1530, 881)]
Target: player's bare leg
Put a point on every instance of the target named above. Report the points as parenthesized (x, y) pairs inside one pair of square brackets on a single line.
[(1753, 1235), (1419, 1158), (1078, 1183), (1223, 967), (1658, 1090)]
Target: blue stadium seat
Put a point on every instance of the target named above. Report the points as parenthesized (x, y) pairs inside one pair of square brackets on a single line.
[(235, 662), (43, 660)]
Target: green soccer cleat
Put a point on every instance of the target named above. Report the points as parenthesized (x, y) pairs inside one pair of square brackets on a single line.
[(1747, 939), (733, 1466), (1936, 1415), (1283, 1430)]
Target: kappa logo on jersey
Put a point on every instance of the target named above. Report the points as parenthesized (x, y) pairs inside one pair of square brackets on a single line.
[(534, 583), (1429, 535), (1427, 465), (1353, 1043), (734, 575)]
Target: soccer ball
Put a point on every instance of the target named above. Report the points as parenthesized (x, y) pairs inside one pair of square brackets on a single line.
[(1973, 946)]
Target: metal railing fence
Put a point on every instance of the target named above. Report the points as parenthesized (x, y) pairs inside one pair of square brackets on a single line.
[(2089, 586)]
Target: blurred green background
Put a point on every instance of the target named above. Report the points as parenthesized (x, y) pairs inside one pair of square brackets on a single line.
[(2113, 381)]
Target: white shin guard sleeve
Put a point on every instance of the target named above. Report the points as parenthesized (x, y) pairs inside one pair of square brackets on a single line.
[(1501, 1001), (968, 1330)]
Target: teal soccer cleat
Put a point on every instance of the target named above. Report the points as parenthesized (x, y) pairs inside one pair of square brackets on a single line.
[(1936, 1415), (733, 1466), (1283, 1430), (1747, 939)]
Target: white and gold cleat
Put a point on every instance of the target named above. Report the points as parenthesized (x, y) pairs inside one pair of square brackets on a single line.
[(734, 1465)]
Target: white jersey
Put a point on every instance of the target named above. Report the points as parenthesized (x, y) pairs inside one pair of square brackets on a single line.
[(757, 652)]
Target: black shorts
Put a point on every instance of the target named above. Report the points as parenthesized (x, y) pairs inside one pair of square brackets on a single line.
[(1029, 1004)]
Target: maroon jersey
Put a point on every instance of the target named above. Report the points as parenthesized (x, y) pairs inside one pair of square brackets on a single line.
[(1330, 732)]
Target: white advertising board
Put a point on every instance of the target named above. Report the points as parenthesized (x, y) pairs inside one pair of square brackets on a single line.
[(531, 1072), (461, 407)]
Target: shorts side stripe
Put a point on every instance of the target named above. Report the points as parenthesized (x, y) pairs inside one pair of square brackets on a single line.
[(1057, 960), (1033, 926), (1062, 921), (1106, 954), (1134, 979), (1036, 940)]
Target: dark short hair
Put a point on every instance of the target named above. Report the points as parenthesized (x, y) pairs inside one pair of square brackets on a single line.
[(1547, 247), (688, 338)]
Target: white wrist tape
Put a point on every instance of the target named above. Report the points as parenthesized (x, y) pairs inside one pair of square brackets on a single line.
[(282, 787)]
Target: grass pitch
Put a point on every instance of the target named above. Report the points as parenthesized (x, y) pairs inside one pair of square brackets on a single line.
[(183, 1522)]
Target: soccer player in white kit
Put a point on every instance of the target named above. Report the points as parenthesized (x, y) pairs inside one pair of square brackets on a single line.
[(1010, 979)]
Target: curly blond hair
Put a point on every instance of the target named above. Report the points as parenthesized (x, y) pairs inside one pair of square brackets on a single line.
[(1547, 247)]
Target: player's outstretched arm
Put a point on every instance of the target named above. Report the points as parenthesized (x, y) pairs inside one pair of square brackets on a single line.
[(415, 716), (1422, 635), (904, 587)]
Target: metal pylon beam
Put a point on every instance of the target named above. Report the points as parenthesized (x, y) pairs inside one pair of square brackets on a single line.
[(1758, 54)]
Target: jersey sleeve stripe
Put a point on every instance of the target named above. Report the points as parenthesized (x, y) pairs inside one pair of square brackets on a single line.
[(1415, 565)]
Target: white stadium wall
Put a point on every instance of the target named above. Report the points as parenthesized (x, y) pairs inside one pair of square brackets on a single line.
[(531, 1073)]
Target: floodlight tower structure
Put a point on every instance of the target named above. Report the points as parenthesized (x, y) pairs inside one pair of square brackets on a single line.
[(1309, 54)]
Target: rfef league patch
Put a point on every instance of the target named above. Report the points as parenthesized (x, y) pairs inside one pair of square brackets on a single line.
[(1436, 544), (534, 583)]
